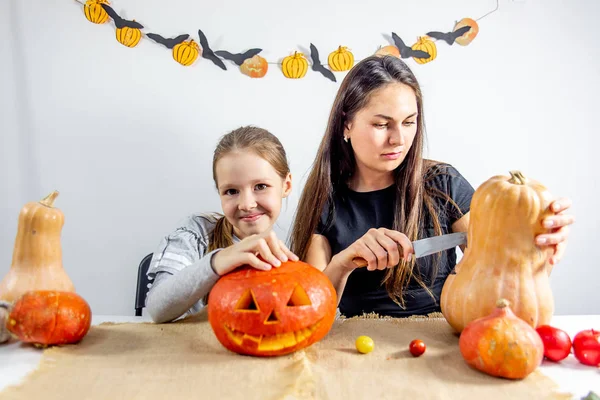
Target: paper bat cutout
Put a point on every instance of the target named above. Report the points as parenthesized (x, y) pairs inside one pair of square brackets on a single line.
[(168, 43), (120, 22), (407, 52), (237, 58), (316, 64), (449, 37), (208, 53)]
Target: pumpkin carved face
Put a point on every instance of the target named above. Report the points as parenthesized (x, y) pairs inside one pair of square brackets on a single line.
[(255, 67), (271, 313)]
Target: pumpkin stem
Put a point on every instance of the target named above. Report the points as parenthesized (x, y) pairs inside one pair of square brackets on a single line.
[(502, 303), (517, 178), (48, 201)]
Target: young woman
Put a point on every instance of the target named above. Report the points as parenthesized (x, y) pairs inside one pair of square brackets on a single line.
[(370, 193)]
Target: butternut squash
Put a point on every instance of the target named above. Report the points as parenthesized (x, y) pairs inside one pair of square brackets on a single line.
[(501, 259), (37, 254)]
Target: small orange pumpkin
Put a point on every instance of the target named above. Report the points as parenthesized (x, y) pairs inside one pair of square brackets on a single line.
[(48, 317), (94, 12), (254, 67), (341, 59), (186, 52), (271, 313), (501, 259), (470, 35), (501, 344), (295, 66), (389, 50), (128, 36), (427, 45)]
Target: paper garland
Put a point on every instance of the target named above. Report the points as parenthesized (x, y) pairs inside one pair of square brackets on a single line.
[(294, 66)]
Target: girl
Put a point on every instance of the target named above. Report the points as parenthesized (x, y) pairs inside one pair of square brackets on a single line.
[(371, 191), (251, 172)]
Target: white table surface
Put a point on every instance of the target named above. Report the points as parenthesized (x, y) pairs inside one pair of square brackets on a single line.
[(17, 359)]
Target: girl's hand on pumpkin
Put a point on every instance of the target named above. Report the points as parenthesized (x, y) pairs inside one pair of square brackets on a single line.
[(380, 248), (258, 251), (559, 225)]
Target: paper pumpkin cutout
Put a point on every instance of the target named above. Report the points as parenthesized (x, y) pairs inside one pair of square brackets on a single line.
[(208, 53), (449, 37), (427, 45), (254, 67), (238, 58), (407, 52), (341, 59), (94, 12), (317, 66), (128, 32), (185, 53), (295, 66), (467, 37), (389, 50)]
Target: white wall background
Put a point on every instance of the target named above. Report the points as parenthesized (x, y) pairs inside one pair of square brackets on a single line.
[(126, 135)]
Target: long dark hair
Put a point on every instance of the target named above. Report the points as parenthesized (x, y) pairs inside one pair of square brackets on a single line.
[(265, 145), (327, 177)]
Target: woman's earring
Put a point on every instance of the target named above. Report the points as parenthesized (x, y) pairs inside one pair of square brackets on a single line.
[(346, 139)]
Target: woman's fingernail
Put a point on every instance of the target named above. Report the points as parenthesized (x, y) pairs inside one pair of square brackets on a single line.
[(548, 223), (541, 240), (409, 257), (556, 206)]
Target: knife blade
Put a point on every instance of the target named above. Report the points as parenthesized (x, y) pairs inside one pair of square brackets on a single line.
[(428, 246)]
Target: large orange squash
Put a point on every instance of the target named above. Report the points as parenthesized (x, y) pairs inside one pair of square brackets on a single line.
[(48, 317), (501, 344), (501, 259), (271, 313), (37, 255)]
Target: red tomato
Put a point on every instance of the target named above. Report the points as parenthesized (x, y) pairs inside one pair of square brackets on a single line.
[(586, 347), (557, 343), (417, 347)]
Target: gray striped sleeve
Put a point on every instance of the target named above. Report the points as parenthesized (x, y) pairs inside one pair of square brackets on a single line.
[(181, 271)]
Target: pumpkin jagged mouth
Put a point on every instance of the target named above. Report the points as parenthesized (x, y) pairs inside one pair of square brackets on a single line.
[(272, 342)]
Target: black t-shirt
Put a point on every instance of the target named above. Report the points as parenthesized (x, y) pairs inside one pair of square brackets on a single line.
[(354, 213)]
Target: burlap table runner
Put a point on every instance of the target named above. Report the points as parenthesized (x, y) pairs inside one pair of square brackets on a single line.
[(184, 360)]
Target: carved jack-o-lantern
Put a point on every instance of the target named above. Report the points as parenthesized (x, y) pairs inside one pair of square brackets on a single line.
[(271, 313), (254, 67)]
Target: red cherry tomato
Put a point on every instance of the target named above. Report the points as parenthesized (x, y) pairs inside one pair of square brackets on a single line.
[(586, 347), (416, 347), (557, 343)]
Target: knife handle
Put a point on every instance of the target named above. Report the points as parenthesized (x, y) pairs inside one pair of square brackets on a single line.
[(360, 262)]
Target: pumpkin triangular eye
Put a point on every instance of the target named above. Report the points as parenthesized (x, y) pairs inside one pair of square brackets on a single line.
[(272, 318), (247, 302), (299, 298)]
